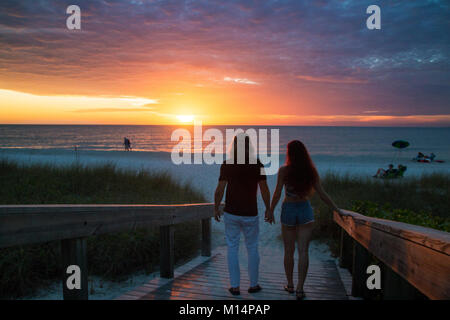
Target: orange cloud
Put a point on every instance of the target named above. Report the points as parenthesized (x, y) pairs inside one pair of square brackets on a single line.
[(441, 119), (347, 80)]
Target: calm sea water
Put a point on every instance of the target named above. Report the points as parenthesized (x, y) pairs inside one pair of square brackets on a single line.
[(333, 141)]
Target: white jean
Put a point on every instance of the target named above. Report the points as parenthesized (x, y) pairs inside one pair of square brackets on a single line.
[(250, 227)]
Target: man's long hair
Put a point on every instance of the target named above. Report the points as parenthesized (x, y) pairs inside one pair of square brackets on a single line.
[(241, 150), (301, 172)]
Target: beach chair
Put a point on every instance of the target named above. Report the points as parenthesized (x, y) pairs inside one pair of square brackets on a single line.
[(397, 174), (401, 171)]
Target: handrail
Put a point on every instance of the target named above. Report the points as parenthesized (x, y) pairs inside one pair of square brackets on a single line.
[(72, 224), (27, 224), (419, 255)]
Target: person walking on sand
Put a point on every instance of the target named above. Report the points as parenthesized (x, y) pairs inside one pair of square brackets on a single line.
[(127, 144), (241, 174), (300, 179)]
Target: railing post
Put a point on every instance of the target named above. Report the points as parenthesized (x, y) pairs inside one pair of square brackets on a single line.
[(346, 251), (394, 287), (361, 260), (74, 253), (206, 237), (166, 252)]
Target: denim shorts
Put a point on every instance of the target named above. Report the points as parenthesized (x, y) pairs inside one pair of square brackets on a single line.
[(295, 213)]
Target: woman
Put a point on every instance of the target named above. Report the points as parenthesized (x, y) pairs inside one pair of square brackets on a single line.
[(300, 179)]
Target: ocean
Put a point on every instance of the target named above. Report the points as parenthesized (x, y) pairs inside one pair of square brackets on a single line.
[(373, 142), (342, 150)]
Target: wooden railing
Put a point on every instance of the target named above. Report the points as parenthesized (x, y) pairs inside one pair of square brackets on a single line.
[(72, 224), (415, 261)]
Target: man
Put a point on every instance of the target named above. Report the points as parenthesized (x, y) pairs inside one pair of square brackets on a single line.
[(241, 174)]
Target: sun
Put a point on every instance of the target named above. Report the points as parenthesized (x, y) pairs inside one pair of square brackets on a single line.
[(185, 118)]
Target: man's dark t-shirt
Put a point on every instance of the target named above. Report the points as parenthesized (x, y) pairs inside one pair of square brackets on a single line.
[(242, 187)]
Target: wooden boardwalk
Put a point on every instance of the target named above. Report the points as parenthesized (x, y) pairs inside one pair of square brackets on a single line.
[(207, 279), (397, 246)]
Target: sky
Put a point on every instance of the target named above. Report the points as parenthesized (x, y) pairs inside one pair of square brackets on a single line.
[(273, 62)]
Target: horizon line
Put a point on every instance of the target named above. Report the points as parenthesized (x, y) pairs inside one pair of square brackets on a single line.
[(223, 125)]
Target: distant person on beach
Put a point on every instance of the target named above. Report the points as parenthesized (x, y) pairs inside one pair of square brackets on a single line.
[(241, 174), (300, 179), (127, 144), (424, 158), (382, 173)]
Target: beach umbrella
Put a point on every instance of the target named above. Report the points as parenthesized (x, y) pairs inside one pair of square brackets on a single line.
[(400, 144)]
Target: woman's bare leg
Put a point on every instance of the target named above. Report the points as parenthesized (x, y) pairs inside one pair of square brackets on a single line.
[(289, 238), (380, 171), (303, 237)]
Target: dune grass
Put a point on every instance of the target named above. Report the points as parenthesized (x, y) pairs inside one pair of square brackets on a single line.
[(417, 200), (23, 269)]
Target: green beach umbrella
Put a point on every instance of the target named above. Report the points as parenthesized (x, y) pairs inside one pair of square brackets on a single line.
[(400, 144)]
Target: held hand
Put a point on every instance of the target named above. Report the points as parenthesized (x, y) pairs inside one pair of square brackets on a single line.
[(268, 217), (217, 214)]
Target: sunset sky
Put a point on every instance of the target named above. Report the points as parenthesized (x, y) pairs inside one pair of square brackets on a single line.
[(285, 62)]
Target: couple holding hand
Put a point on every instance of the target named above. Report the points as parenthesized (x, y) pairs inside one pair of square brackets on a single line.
[(241, 178)]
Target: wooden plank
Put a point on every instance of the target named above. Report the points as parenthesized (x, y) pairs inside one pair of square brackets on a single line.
[(206, 288), (431, 238), (166, 252), (188, 296), (74, 253), (268, 287), (208, 280), (27, 224), (423, 263), (345, 251), (395, 287), (195, 291), (58, 208), (361, 260), (213, 274), (206, 237)]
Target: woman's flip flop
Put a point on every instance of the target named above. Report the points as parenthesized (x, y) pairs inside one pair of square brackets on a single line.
[(289, 289), (300, 295)]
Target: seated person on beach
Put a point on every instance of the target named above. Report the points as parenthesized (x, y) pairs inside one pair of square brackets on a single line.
[(383, 173), (400, 172), (423, 158)]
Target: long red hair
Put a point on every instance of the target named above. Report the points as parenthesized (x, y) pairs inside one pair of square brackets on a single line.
[(301, 172)]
